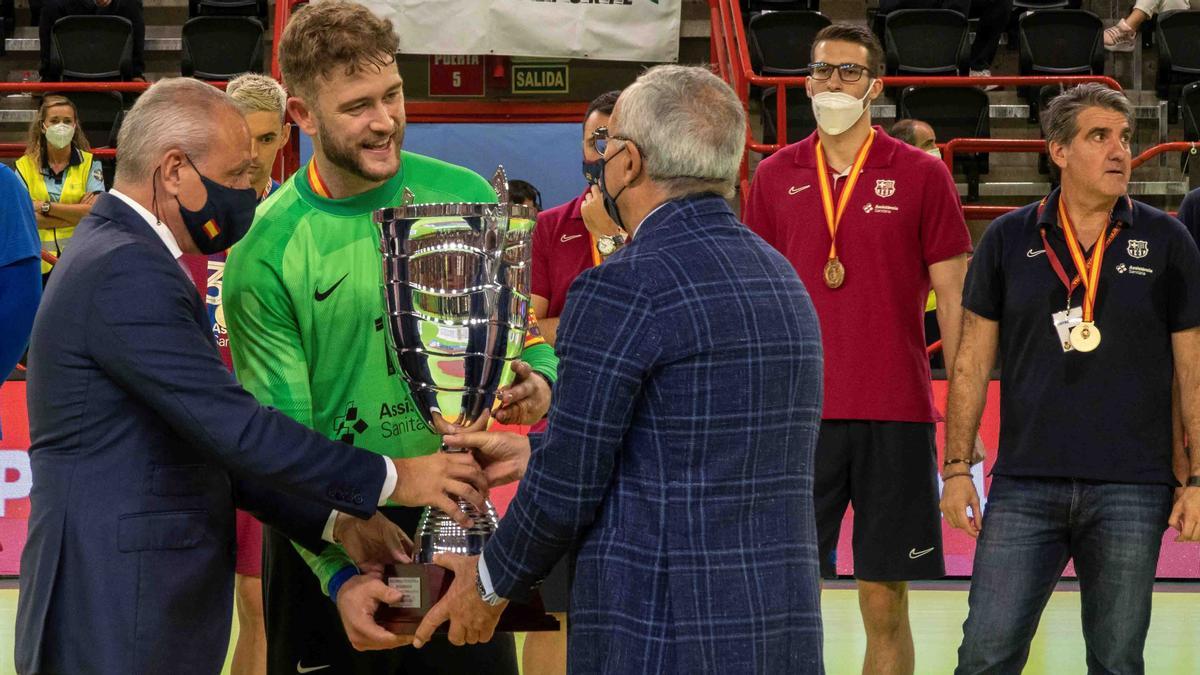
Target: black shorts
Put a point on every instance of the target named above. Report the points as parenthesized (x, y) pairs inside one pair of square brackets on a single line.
[(888, 471), (305, 632)]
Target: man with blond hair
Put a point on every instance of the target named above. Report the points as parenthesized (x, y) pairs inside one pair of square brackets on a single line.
[(264, 103), (306, 322)]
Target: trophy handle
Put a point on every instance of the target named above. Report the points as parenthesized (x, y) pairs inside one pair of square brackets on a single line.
[(500, 184)]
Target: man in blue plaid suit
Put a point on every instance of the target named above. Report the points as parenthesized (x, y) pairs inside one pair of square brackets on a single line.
[(677, 465)]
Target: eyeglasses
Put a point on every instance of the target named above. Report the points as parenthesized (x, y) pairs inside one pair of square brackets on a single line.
[(596, 137), (601, 137), (847, 72)]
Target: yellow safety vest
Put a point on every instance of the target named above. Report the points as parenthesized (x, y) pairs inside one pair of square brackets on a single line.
[(74, 189)]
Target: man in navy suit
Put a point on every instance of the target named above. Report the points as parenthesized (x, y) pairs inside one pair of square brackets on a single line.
[(142, 441), (677, 463)]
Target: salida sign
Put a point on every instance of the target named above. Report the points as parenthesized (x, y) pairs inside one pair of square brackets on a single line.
[(540, 78)]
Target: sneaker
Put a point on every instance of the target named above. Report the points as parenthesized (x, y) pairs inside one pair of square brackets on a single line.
[(985, 73), (1119, 37)]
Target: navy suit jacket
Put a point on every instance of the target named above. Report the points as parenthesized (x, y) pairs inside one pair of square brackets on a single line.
[(142, 446), (677, 465)]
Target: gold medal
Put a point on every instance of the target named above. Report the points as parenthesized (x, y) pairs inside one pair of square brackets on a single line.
[(1085, 337), (835, 273)]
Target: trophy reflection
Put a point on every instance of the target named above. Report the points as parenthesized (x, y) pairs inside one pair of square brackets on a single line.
[(456, 279)]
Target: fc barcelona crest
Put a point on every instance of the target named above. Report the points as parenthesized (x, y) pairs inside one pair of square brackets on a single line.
[(885, 188), (1137, 248)]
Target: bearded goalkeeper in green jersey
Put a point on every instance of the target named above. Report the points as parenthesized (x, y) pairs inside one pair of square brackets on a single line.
[(305, 317)]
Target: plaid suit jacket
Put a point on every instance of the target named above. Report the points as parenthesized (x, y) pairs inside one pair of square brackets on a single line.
[(677, 464)]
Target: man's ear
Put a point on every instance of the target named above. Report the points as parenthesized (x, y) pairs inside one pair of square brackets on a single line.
[(1058, 154), (304, 116), (634, 165), (170, 171)]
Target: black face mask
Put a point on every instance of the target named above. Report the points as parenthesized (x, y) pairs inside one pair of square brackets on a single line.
[(225, 217), (591, 171), (610, 201)]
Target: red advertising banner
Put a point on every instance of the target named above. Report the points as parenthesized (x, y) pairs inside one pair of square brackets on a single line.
[(15, 476), (456, 75)]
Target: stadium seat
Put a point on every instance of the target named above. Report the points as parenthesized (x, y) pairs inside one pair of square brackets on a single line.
[(1059, 42), (782, 5), (94, 48), (221, 47), (256, 8), (953, 112), (800, 120), (913, 49), (1178, 37), (100, 115), (780, 43)]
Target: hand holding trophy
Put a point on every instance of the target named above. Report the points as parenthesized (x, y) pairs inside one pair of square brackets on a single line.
[(456, 280)]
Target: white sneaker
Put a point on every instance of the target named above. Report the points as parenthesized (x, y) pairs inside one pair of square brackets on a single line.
[(1119, 37), (984, 73)]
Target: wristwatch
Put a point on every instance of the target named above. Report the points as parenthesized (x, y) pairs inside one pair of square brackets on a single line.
[(610, 244), (46, 208), (490, 599)]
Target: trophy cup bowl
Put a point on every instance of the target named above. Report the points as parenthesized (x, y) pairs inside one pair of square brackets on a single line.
[(456, 280)]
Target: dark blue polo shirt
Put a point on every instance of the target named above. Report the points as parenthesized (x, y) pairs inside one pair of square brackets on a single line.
[(1189, 213), (1104, 415)]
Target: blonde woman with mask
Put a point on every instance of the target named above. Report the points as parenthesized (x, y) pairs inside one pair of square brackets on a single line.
[(62, 176)]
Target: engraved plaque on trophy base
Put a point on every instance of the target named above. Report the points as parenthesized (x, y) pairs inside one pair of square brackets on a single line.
[(424, 584)]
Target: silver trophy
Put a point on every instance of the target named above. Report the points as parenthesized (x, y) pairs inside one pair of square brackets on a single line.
[(456, 287)]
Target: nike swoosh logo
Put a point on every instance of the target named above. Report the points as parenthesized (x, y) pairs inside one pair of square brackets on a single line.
[(302, 669), (565, 238), (914, 553), (797, 190), (1033, 254), (319, 296)]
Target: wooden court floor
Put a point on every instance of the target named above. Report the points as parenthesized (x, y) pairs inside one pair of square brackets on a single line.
[(937, 611)]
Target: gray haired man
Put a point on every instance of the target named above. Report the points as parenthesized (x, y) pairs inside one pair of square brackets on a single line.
[(1092, 301), (143, 443), (676, 464)]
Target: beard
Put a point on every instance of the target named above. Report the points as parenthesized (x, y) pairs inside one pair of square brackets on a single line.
[(348, 157)]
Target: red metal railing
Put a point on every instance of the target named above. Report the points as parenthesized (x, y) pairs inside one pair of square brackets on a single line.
[(957, 146), (729, 51)]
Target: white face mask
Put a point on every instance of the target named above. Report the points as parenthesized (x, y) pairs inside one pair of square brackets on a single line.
[(60, 135), (837, 111), (936, 152)]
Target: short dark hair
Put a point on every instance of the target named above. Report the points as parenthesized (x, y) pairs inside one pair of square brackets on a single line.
[(855, 34), (1061, 116), (905, 130), (604, 103), (524, 191)]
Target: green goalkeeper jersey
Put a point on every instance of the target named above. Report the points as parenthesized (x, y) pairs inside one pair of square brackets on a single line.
[(303, 305)]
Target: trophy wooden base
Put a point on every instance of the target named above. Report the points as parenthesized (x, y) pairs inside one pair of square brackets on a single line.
[(424, 584)]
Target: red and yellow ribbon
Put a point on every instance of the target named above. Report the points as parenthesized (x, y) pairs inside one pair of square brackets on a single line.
[(834, 218), (315, 182), (1088, 271)]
